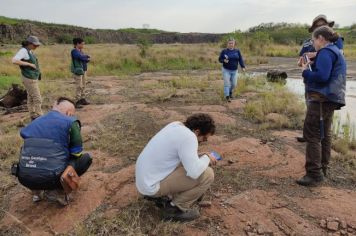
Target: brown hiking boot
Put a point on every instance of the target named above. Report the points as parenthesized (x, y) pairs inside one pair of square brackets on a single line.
[(173, 213)]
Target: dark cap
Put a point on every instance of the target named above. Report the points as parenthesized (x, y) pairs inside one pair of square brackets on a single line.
[(33, 40)]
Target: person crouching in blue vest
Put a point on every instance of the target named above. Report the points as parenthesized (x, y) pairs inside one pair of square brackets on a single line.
[(51, 143), (230, 58), (326, 84)]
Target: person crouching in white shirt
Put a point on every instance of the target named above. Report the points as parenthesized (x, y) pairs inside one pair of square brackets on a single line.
[(169, 166)]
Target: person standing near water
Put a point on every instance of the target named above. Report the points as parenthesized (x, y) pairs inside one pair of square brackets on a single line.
[(79, 67), (230, 58), (325, 87), (31, 74), (309, 50)]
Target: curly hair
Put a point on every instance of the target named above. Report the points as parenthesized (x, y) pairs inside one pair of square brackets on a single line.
[(202, 122)]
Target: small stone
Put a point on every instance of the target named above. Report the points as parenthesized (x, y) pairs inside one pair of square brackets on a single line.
[(332, 225), (350, 230), (251, 151), (231, 161), (343, 232), (343, 224), (260, 231), (323, 223)]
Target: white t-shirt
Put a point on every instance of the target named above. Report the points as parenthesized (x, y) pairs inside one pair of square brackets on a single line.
[(173, 145), (21, 54)]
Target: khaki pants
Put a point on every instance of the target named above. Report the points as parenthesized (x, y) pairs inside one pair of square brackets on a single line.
[(80, 81), (34, 100), (185, 190)]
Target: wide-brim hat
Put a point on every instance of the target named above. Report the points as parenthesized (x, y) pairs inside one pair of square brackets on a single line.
[(320, 17), (33, 40)]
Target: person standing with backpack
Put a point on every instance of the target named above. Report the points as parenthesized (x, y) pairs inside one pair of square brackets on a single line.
[(79, 67), (31, 74)]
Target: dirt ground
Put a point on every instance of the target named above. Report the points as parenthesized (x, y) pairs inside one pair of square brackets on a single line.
[(254, 191)]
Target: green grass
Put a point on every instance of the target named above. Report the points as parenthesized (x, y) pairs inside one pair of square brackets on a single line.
[(9, 21), (272, 98), (6, 81)]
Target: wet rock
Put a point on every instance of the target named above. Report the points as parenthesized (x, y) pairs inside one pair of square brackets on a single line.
[(276, 76)]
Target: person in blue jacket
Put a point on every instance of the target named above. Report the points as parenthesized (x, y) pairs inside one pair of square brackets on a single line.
[(308, 47), (79, 67), (325, 88), (230, 58)]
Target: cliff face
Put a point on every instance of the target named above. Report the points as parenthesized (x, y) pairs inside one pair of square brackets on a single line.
[(51, 33)]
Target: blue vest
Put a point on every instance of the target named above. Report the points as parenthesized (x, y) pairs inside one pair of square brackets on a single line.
[(54, 126), (334, 89)]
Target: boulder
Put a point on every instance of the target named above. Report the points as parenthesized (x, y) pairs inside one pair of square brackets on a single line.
[(276, 76), (14, 97)]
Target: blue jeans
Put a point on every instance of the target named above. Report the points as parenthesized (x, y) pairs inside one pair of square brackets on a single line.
[(230, 81)]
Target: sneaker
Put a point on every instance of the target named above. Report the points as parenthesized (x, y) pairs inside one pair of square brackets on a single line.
[(310, 181), (301, 139), (38, 195), (57, 196), (228, 99), (173, 213)]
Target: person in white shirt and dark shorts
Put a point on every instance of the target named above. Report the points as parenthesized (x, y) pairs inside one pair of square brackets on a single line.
[(169, 166)]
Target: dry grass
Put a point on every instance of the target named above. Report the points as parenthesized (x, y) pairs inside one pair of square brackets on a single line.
[(131, 221)]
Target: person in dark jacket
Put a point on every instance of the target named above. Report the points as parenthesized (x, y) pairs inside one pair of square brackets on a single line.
[(230, 59), (79, 68), (308, 47), (31, 74), (325, 88), (60, 129)]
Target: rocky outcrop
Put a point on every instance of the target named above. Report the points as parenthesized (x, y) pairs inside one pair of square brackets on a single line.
[(53, 33), (15, 96)]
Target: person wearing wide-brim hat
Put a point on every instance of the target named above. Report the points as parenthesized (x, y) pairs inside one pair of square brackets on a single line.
[(320, 20), (308, 47), (30, 70)]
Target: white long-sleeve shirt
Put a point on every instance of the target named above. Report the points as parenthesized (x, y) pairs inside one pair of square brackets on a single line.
[(173, 145)]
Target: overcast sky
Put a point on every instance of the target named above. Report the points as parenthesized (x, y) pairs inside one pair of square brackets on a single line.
[(215, 16)]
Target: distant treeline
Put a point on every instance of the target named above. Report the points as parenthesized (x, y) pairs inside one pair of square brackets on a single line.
[(286, 33), (14, 30)]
